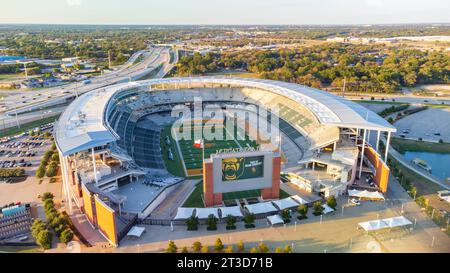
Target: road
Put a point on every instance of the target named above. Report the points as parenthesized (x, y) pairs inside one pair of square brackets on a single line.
[(29, 104)]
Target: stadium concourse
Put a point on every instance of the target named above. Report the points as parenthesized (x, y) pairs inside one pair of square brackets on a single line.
[(120, 161)]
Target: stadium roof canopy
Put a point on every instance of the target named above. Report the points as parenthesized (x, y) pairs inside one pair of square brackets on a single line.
[(82, 124)]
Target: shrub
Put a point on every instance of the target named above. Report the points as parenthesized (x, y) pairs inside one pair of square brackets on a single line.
[(253, 250), (205, 249), (66, 236), (331, 202), (55, 157), (51, 170), (262, 248), (40, 172), (249, 219), (278, 250), (229, 249), (240, 246), (44, 239), (286, 215), (192, 223), (12, 172), (197, 246), (303, 211), (172, 247), (231, 221), (218, 245), (211, 222), (47, 195), (184, 250), (318, 208), (287, 249)]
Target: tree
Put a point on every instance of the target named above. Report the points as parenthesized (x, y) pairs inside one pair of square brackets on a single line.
[(66, 236), (318, 208), (231, 221), (253, 250), (172, 247), (278, 250), (184, 250), (331, 202), (44, 239), (211, 222), (51, 169), (218, 245), (47, 195), (287, 249), (286, 215), (240, 246), (205, 249), (192, 223), (262, 248), (37, 226), (249, 219), (197, 246), (229, 249), (40, 172), (303, 211)]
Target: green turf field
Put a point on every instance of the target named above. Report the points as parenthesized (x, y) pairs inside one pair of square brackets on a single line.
[(241, 194), (192, 156)]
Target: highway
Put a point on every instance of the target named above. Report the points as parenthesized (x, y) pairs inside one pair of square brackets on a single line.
[(33, 105)]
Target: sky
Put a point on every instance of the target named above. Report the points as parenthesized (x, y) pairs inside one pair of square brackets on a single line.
[(224, 11)]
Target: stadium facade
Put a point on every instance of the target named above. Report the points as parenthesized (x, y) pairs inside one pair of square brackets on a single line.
[(114, 158)]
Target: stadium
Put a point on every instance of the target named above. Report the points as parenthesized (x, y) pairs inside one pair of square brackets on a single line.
[(123, 161)]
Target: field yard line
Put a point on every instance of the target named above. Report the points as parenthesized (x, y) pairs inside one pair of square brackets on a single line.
[(179, 152)]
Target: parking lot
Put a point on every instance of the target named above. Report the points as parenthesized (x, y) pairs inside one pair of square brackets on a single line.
[(429, 125), (24, 151)]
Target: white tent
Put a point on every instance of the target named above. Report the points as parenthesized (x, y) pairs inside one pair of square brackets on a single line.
[(275, 219), (234, 211), (184, 213), (260, 208), (446, 198), (286, 203), (327, 209), (298, 199), (385, 223), (374, 195), (203, 213), (136, 232)]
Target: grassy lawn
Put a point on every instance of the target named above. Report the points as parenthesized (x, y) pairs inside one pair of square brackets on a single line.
[(195, 199), (20, 249), (27, 126), (9, 76), (174, 166), (423, 185), (404, 145)]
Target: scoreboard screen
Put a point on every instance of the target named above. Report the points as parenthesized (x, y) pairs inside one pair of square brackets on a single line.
[(238, 168)]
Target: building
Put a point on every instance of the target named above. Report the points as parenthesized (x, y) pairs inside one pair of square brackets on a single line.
[(113, 163)]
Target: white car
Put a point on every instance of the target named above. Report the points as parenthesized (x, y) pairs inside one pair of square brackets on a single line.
[(355, 202)]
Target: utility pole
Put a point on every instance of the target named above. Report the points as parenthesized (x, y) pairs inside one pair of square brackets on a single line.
[(343, 87), (109, 59), (25, 69)]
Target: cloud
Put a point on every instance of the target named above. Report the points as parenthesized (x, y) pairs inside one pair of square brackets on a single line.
[(73, 3)]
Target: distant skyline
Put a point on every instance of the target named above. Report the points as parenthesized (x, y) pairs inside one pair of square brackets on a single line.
[(221, 12)]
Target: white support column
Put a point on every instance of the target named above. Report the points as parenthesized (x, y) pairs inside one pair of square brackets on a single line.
[(65, 178), (95, 167), (362, 152), (378, 140), (387, 146)]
